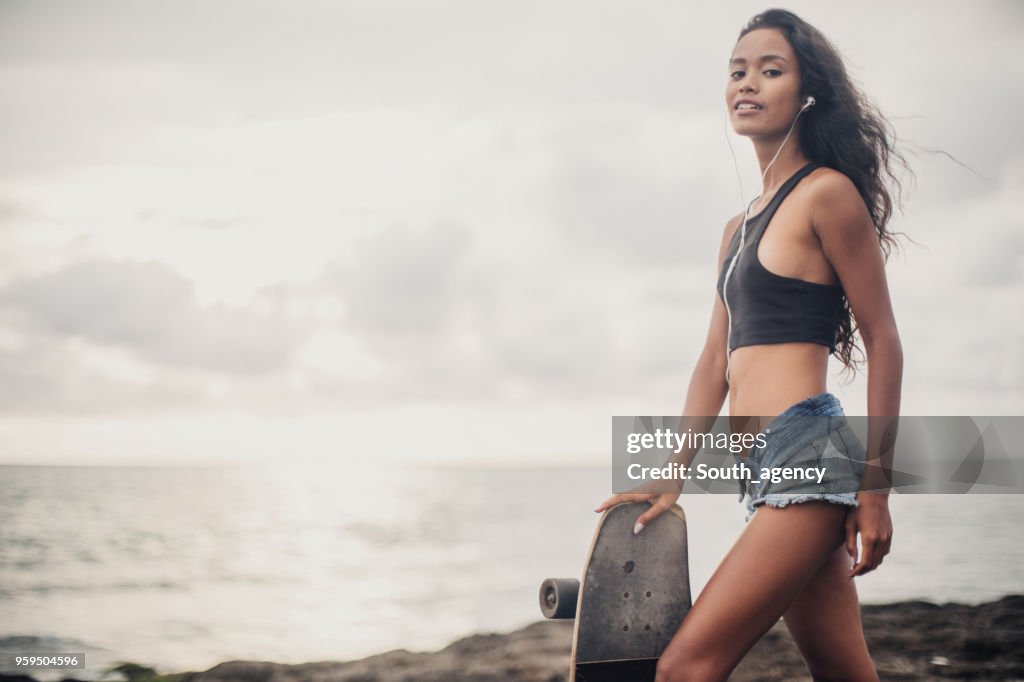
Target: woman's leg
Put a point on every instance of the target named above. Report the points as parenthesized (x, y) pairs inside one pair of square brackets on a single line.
[(777, 554), (824, 620)]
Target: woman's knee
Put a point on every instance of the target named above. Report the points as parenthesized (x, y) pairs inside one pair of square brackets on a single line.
[(668, 671), (687, 668)]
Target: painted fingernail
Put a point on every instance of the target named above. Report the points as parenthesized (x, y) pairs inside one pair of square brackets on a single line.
[(637, 528)]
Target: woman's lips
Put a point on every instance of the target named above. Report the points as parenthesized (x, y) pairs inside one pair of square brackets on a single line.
[(747, 112)]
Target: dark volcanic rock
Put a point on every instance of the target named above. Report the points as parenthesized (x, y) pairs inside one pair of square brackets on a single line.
[(908, 641)]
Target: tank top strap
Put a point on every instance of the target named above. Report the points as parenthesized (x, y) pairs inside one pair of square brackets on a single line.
[(765, 216)]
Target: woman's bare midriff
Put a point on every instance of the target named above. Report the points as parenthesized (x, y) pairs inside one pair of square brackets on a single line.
[(766, 379)]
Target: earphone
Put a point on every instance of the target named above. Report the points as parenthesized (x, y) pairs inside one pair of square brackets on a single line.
[(808, 103)]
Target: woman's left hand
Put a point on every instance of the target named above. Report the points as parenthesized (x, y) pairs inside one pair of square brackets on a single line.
[(871, 519)]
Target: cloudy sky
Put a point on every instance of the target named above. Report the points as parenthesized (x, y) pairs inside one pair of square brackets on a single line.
[(445, 230)]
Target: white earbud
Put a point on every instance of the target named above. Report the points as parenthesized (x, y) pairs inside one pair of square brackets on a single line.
[(810, 103)]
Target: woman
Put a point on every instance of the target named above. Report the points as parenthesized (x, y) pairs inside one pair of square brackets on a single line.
[(784, 304)]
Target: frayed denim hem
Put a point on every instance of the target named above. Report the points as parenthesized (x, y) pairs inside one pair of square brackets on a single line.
[(780, 500)]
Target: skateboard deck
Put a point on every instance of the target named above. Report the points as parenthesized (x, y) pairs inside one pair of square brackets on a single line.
[(632, 598)]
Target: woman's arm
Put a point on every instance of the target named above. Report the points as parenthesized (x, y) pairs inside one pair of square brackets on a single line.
[(708, 389), (850, 242), (704, 397)]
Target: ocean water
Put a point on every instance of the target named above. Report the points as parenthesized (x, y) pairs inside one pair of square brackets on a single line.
[(182, 568)]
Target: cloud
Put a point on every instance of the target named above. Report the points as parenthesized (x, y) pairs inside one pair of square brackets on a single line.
[(55, 376), (404, 281), (456, 324), (147, 308)]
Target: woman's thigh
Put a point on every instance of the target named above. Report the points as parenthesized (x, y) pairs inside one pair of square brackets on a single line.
[(824, 620), (777, 554)]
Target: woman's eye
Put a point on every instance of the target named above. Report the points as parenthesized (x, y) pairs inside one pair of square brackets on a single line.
[(734, 74)]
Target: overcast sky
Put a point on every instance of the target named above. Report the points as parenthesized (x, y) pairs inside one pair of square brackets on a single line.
[(445, 230)]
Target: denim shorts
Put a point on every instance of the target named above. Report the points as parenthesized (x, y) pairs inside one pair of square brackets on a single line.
[(810, 454)]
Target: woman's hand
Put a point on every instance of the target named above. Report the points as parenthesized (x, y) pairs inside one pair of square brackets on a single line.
[(660, 501), (871, 519)]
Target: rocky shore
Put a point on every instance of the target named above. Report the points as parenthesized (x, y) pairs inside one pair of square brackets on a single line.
[(908, 640)]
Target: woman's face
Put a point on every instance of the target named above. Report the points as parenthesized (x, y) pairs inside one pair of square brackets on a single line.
[(764, 70)]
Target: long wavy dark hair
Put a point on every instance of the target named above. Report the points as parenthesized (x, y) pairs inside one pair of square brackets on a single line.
[(843, 131)]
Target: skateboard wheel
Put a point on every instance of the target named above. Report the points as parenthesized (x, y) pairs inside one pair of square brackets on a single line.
[(558, 597)]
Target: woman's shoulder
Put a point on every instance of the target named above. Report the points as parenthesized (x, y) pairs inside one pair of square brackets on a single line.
[(731, 226), (828, 185), (834, 199)]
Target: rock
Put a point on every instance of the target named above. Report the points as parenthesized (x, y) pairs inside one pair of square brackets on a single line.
[(911, 640)]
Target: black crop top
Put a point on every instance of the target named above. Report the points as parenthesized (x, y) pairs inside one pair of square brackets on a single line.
[(769, 308)]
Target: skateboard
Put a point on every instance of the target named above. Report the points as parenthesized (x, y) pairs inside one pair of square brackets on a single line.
[(633, 595)]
